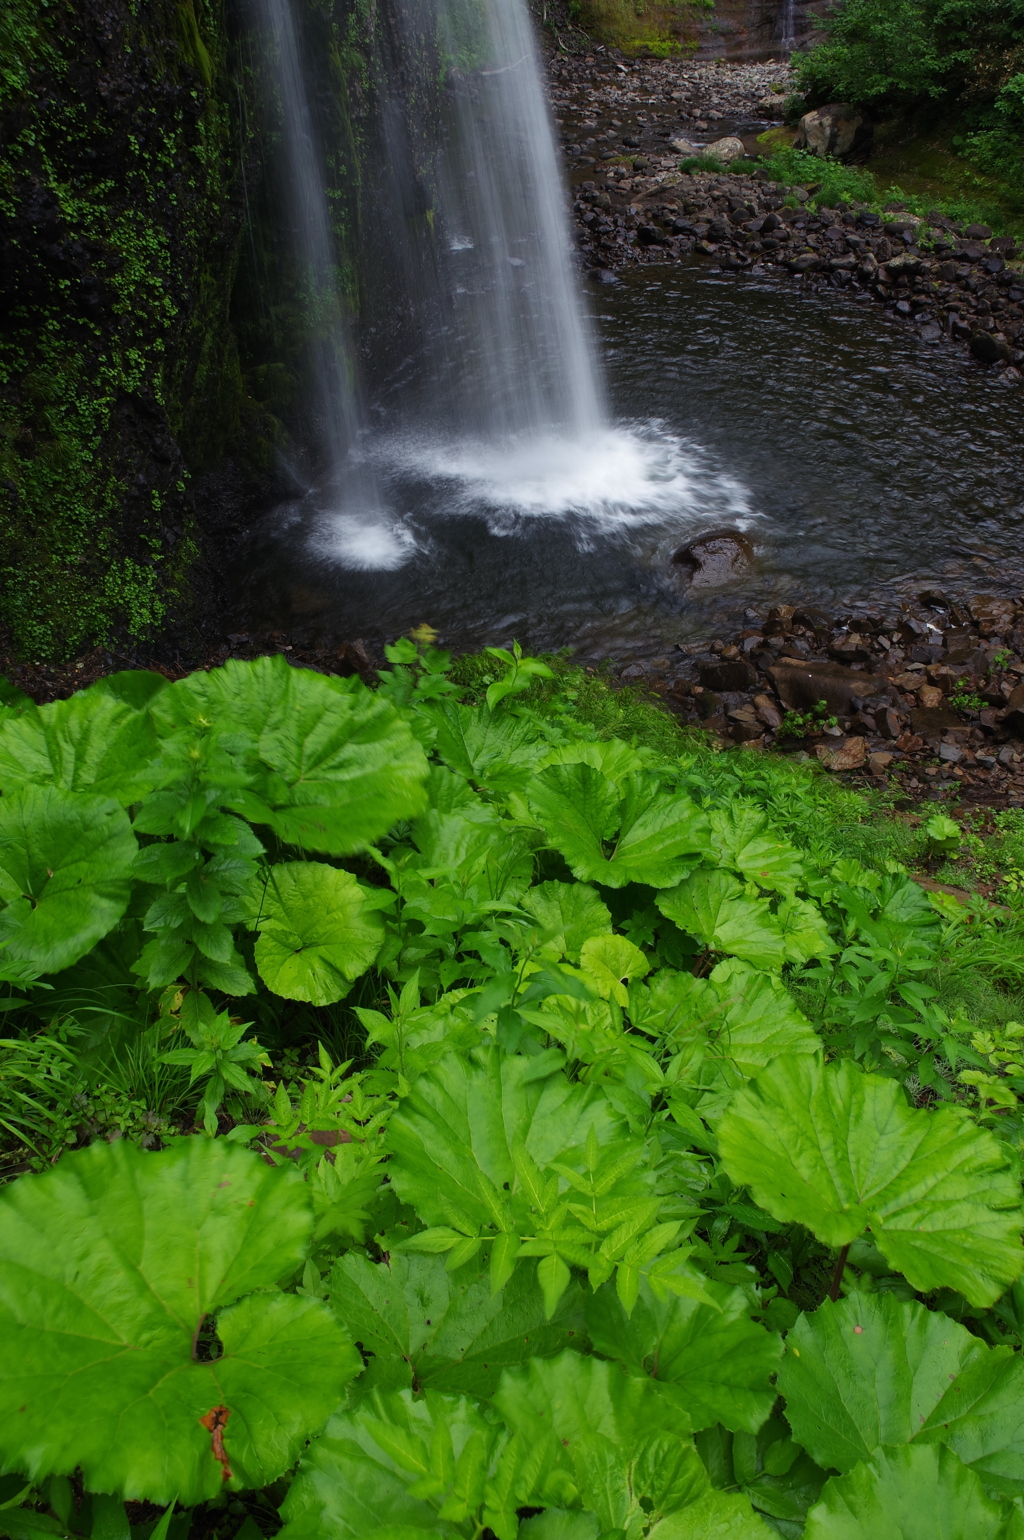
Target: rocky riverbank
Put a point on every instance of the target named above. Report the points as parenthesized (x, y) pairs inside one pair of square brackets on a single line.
[(929, 698), (625, 129)]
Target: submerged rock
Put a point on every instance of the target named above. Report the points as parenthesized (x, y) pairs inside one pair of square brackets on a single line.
[(715, 558)]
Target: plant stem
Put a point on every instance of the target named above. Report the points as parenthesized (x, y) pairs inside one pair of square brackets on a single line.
[(837, 1276)]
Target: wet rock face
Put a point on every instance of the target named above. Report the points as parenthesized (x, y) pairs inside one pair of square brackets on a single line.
[(714, 559), (117, 246)]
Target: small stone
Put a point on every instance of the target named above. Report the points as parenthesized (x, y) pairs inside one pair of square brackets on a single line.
[(950, 754), (848, 754), (768, 712), (604, 275), (929, 695), (879, 762), (737, 674), (988, 349)]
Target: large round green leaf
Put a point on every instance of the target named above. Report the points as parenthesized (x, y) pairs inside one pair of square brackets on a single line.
[(65, 873), (109, 1267), (92, 742), (840, 1151), (398, 1467), (721, 1359), (334, 766), (317, 932), (873, 1370), (913, 1493)]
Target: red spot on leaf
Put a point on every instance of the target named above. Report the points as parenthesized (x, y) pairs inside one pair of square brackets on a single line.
[(215, 1421)]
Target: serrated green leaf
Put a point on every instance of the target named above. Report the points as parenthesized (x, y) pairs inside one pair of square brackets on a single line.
[(316, 932), (453, 1137), (715, 1516), (388, 1467), (720, 1358), (838, 1151), (713, 907), (91, 742), (873, 1370), (743, 839), (914, 1493), (598, 1425), (448, 1331), (738, 1018), (66, 861), (617, 834), (109, 1265), (334, 765), (568, 914)]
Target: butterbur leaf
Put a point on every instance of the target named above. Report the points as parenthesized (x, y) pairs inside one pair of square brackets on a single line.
[(333, 765), (395, 1466), (109, 1266), (616, 834), (713, 907), (90, 742), (715, 1516), (914, 1493), (469, 1141), (65, 871), (738, 1017), (448, 1330), (873, 1370), (612, 961), (316, 932), (719, 1358), (136, 687), (840, 1151), (621, 1441), (568, 914), (743, 839)]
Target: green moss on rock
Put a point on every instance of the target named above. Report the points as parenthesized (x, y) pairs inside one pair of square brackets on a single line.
[(119, 226)]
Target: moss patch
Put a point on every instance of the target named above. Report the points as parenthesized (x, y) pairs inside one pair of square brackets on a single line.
[(660, 28), (116, 361)]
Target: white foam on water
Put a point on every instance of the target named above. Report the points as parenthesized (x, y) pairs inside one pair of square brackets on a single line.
[(613, 479), (361, 543)]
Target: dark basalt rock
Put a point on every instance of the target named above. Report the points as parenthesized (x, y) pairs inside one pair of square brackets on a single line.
[(715, 558)]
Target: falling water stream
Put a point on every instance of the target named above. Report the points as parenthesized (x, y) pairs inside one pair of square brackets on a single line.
[(495, 408)]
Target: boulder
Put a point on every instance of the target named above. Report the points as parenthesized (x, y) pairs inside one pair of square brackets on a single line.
[(988, 349), (838, 129), (1013, 721), (736, 675), (715, 558), (725, 150), (802, 683), (843, 753)]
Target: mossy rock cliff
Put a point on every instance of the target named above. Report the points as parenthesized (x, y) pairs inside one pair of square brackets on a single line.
[(119, 226)]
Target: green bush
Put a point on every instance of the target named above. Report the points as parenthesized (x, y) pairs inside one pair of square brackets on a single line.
[(908, 51)]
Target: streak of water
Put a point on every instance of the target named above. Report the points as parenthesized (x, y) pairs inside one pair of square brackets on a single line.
[(497, 321), (337, 408)]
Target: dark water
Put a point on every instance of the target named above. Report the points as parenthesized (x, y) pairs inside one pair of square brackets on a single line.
[(862, 462)]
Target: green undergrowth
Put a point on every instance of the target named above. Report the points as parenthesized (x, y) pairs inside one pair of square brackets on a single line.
[(453, 1108), (834, 181)]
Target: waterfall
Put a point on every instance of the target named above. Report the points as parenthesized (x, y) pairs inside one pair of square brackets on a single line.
[(787, 27), (487, 397), (501, 325), (338, 419)]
